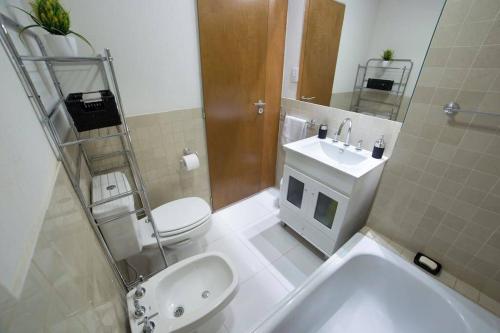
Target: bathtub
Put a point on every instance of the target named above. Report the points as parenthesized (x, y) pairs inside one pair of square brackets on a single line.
[(366, 287)]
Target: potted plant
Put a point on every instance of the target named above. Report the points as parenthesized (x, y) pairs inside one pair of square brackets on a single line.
[(51, 16), (387, 57)]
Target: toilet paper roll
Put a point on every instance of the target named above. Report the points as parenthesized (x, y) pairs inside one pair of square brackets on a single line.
[(190, 162)]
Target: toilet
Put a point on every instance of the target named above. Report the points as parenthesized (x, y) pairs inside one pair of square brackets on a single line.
[(179, 222)]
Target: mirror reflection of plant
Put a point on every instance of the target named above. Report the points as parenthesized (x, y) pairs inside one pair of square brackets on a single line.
[(51, 16), (388, 55)]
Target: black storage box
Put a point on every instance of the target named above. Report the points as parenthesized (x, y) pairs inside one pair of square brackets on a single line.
[(93, 110), (380, 84)]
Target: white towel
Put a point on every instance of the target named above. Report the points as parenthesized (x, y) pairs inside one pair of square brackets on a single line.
[(293, 129)]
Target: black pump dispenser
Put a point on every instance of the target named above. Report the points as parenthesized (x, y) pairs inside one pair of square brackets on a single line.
[(378, 148)]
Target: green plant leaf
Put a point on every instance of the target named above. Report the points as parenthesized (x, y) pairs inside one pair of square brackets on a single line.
[(28, 27), (36, 20), (82, 38)]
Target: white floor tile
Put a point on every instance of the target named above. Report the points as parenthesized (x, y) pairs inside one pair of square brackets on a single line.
[(254, 301), (242, 214), (297, 264), (268, 198), (217, 231), (245, 261), (271, 241)]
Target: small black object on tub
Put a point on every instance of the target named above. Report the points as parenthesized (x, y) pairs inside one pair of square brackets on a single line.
[(427, 263), (93, 110)]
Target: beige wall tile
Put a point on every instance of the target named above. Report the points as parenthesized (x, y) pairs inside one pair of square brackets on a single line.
[(462, 57), (494, 34), (437, 56), (480, 79), (455, 12), (473, 33), (454, 211), (69, 277), (452, 78), (488, 57), (484, 10)]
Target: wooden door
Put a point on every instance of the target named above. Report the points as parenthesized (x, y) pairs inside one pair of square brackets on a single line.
[(238, 70), (323, 21)]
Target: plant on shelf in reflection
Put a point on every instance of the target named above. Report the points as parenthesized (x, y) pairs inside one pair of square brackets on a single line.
[(51, 16), (388, 55)]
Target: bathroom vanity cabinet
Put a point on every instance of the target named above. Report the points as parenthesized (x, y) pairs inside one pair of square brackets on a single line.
[(324, 205)]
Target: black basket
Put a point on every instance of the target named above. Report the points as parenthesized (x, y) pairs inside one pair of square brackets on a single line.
[(93, 110)]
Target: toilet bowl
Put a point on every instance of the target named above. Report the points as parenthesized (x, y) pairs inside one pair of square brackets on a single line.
[(178, 222)]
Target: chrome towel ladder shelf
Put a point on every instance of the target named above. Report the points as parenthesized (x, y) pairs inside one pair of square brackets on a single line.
[(60, 147)]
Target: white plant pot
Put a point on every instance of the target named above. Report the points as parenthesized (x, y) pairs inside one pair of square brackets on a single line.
[(61, 46), (379, 72), (386, 63)]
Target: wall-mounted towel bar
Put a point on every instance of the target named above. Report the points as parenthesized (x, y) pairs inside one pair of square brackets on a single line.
[(452, 108), (310, 123)]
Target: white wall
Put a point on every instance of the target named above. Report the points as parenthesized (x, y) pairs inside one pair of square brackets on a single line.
[(27, 173), (359, 20), (293, 44), (155, 47), (406, 26)]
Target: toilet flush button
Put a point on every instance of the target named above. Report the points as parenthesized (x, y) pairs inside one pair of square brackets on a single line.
[(111, 187)]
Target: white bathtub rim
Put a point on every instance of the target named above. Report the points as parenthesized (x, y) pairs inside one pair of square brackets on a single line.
[(471, 313)]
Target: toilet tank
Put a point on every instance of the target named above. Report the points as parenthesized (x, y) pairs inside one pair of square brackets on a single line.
[(123, 235)]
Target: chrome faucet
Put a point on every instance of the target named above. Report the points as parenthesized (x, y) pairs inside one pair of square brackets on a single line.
[(337, 135), (139, 309), (139, 289), (148, 324)]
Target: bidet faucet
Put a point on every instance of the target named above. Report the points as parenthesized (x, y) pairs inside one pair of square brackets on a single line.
[(139, 289), (347, 138), (148, 324), (139, 309)]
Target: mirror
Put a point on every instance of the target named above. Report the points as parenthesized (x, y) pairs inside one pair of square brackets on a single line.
[(358, 55)]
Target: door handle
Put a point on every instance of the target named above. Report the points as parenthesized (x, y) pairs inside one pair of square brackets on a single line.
[(260, 105), (304, 98)]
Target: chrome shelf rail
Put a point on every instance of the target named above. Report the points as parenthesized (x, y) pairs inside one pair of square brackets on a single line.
[(59, 146), (63, 59), (403, 74), (91, 139), (452, 108), (113, 198)]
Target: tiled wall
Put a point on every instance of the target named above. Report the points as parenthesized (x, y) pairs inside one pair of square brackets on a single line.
[(70, 286), (364, 127), (440, 192), (158, 140)]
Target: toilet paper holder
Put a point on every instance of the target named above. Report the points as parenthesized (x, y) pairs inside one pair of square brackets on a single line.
[(183, 163), (188, 151)]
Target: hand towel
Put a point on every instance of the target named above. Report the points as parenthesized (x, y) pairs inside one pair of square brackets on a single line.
[(293, 129)]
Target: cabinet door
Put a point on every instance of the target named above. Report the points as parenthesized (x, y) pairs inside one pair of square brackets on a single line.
[(329, 207), (294, 191)]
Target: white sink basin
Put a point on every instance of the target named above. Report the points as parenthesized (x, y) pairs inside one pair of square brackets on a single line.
[(188, 294), (335, 155)]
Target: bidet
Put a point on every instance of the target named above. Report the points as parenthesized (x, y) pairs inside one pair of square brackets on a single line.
[(187, 297)]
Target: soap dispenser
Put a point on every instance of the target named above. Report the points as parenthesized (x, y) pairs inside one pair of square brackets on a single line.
[(323, 130), (378, 148)]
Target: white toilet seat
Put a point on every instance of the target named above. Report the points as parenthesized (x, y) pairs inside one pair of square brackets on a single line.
[(177, 221), (180, 215)]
